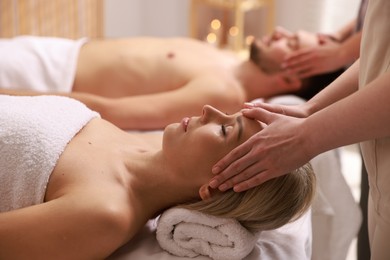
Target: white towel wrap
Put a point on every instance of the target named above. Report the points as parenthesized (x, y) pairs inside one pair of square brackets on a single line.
[(33, 133)]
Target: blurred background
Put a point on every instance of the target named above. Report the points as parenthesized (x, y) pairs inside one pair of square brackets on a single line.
[(165, 18)]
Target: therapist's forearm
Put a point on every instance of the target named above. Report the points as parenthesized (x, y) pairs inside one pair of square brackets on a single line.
[(362, 116), (350, 49), (343, 86), (346, 31)]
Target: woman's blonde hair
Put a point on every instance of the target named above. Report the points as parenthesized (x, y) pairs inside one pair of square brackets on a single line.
[(267, 206)]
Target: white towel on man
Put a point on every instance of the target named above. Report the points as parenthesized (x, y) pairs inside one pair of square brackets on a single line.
[(188, 233), (33, 133), (39, 63)]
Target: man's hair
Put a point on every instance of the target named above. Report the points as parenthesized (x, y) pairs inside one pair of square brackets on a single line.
[(254, 53), (309, 87), (267, 206)]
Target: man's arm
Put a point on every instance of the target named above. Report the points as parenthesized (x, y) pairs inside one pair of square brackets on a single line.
[(155, 111), (20, 92), (94, 102)]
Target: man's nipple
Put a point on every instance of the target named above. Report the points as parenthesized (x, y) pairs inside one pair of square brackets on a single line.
[(170, 55)]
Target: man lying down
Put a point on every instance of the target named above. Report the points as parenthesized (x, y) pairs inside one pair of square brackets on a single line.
[(148, 83), (75, 186)]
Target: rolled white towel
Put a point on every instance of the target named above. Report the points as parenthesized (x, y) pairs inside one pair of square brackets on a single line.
[(188, 233)]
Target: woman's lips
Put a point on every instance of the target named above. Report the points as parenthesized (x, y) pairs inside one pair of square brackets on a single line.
[(185, 122)]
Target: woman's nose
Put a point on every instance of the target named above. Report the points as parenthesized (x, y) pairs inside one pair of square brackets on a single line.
[(209, 113)]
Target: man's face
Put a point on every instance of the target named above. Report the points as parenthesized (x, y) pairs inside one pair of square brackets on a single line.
[(270, 52)]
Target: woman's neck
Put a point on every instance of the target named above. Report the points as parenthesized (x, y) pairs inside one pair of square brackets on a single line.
[(152, 185)]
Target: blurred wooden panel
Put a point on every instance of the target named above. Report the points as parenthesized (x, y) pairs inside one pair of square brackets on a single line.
[(62, 18)]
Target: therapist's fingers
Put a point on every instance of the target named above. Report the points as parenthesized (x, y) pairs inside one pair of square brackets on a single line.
[(298, 61), (260, 112), (274, 108), (246, 174), (298, 56), (242, 156), (255, 111), (253, 182), (232, 163), (307, 73), (281, 32)]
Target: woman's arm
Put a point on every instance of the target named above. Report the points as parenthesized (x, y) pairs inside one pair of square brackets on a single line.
[(350, 49), (362, 116), (65, 228), (287, 142), (343, 86), (346, 84), (345, 31), (156, 111)]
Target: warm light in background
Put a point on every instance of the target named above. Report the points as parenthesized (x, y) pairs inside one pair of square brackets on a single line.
[(249, 39), (214, 35), (233, 31), (215, 24), (211, 38)]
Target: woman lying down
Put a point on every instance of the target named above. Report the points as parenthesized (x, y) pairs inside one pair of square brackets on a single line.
[(75, 186)]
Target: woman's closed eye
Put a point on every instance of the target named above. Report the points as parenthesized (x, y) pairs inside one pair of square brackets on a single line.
[(225, 129)]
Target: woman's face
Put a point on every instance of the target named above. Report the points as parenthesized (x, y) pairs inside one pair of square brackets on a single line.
[(198, 142)]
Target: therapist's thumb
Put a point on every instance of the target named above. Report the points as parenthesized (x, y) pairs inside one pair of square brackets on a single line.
[(260, 114)]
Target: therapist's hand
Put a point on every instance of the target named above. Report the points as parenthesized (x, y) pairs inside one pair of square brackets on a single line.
[(301, 110), (278, 33), (274, 151), (312, 61)]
